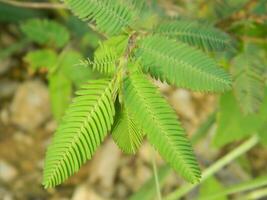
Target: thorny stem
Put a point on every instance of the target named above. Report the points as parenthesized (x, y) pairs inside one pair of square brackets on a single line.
[(34, 5), (246, 146)]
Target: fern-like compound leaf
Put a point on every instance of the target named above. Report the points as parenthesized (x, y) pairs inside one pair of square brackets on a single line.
[(84, 127), (106, 57), (159, 122), (248, 82), (110, 16), (126, 133), (181, 65), (196, 34), (137, 6)]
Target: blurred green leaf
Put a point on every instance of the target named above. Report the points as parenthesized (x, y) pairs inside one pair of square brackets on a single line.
[(249, 28), (69, 62), (211, 187), (225, 8), (78, 27), (232, 124), (248, 69), (60, 89), (41, 58), (46, 32), (260, 8)]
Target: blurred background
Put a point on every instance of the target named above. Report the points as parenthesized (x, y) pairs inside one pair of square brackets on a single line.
[(42, 46)]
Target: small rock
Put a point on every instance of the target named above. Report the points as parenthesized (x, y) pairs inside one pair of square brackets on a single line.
[(7, 88), (7, 171), (104, 166), (84, 192), (30, 107)]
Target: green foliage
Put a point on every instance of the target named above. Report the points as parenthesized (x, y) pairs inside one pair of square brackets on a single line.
[(126, 133), (225, 8), (110, 16), (248, 84), (196, 34), (44, 58), (69, 63), (107, 54), (60, 90), (160, 124), (63, 74), (140, 109), (81, 131), (45, 32), (233, 124), (181, 65), (211, 187)]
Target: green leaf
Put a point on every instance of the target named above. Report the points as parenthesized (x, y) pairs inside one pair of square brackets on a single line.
[(248, 83), (233, 124), (69, 63), (60, 90), (196, 34), (107, 55), (180, 65), (44, 58), (110, 16), (210, 187), (83, 128), (159, 122), (225, 8), (263, 134), (46, 32), (125, 132)]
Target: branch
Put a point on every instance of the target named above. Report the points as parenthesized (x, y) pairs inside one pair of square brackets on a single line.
[(34, 5)]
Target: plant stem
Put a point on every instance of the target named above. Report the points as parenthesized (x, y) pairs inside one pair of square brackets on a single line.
[(34, 5), (258, 194), (218, 165), (155, 171), (238, 188)]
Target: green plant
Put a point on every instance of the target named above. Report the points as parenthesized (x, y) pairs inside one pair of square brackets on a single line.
[(139, 44), (55, 57), (243, 111)]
